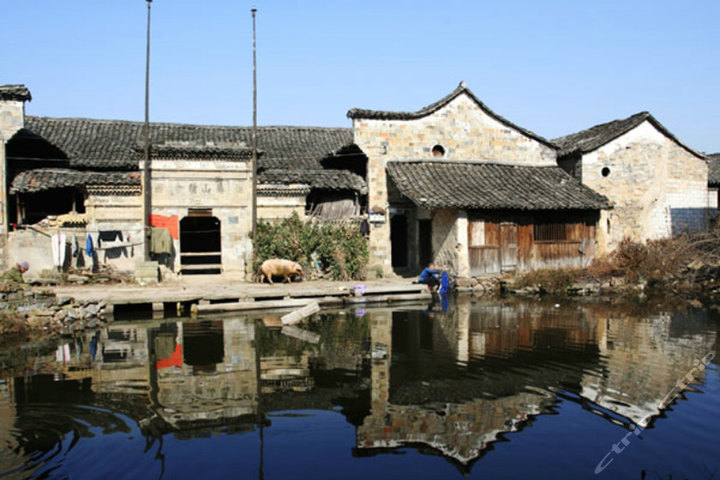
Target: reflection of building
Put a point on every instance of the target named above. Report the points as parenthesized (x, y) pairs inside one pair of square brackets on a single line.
[(643, 360), (214, 380), (449, 385), (456, 382)]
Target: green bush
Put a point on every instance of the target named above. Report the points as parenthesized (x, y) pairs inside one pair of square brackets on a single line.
[(341, 249)]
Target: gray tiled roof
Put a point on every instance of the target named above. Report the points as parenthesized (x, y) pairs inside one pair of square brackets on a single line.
[(15, 92), (199, 151), (595, 137), (474, 185), (322, 179), (110, 144), (714, 172), (358, 113), (42, 179)]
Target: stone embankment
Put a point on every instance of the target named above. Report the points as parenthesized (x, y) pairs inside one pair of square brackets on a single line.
[(695, 282), (26, 312)]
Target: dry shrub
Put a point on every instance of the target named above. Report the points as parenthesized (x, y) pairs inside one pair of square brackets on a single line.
[(656, 262), (552, 280), (603, 267)]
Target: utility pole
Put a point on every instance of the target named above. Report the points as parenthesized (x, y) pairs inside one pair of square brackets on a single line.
[(147, 188), (254, 143)]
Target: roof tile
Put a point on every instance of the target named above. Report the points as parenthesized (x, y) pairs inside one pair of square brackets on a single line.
[(486, 186)]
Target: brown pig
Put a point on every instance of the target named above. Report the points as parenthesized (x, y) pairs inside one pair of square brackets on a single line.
[(279, 268)]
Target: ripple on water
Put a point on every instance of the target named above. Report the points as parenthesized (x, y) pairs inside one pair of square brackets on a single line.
[(44, 435)]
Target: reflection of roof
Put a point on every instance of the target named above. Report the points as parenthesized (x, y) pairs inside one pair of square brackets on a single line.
[(460, 432), (455, 184), (714, 173), (113, 144), (43, 179), (595, 137), (357, 113)]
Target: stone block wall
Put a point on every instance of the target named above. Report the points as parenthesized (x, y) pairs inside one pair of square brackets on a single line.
[(648, 177), (450, 241), (279, 203), (223, 186), (465, 131), (12, 119)]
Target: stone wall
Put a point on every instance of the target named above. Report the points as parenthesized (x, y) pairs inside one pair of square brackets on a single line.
[(281, 202), (12, 119), (657, 187), (465, 131), (223, 186)]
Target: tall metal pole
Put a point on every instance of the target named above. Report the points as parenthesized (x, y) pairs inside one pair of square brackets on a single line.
[(254, 142), (147, 189)]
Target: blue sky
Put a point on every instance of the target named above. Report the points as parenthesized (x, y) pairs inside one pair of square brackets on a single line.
[(551, 66)]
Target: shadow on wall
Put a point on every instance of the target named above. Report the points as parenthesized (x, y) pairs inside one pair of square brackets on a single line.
[(691, 219)]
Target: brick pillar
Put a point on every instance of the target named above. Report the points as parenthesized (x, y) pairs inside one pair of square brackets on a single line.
[(12, 119), (380, 248)]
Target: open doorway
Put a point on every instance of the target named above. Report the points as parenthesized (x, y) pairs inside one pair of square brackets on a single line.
[(424, 242), (200, 244), (399, 240)]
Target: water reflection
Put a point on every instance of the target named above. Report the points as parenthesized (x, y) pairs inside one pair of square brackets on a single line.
[(448, 381)]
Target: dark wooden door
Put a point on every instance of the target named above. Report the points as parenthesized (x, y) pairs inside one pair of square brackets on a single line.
[(398, 240), (425, 242), (508, 246)]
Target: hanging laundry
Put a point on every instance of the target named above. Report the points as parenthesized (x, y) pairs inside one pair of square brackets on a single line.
[(160, 241), (58, 249), (364, 228), (76, 247), (89, 248), (109, 236)]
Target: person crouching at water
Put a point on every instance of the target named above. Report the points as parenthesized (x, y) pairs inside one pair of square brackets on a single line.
[(430, 276), (15, 274)]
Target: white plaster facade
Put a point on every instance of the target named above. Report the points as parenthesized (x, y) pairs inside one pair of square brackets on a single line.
[(658, 187)]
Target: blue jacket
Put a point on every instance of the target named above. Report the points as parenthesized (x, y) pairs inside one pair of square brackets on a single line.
[(427, 273)]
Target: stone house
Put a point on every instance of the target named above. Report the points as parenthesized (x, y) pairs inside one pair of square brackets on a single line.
[(657, 185), (457, 184), (453, 183), (201, 182)]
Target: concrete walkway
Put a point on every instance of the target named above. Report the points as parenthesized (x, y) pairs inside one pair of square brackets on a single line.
[(222, 288)]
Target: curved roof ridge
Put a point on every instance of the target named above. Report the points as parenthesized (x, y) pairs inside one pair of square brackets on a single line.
[(592, 138), (462, 88)]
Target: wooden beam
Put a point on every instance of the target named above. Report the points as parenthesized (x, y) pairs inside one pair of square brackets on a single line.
[(297, 315)]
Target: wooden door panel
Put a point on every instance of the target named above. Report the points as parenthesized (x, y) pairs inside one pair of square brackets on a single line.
[(508, 246)]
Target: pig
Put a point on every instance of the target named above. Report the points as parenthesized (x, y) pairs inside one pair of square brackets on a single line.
[(279, 268)]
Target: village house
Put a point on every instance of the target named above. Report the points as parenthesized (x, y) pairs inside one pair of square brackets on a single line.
[(85, 177), (657, 185), (459, 185), (453, 183)]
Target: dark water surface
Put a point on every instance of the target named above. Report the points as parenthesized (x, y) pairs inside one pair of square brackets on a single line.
[(484, 390)]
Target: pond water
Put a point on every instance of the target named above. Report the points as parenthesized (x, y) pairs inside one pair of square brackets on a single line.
[(480, 390)]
